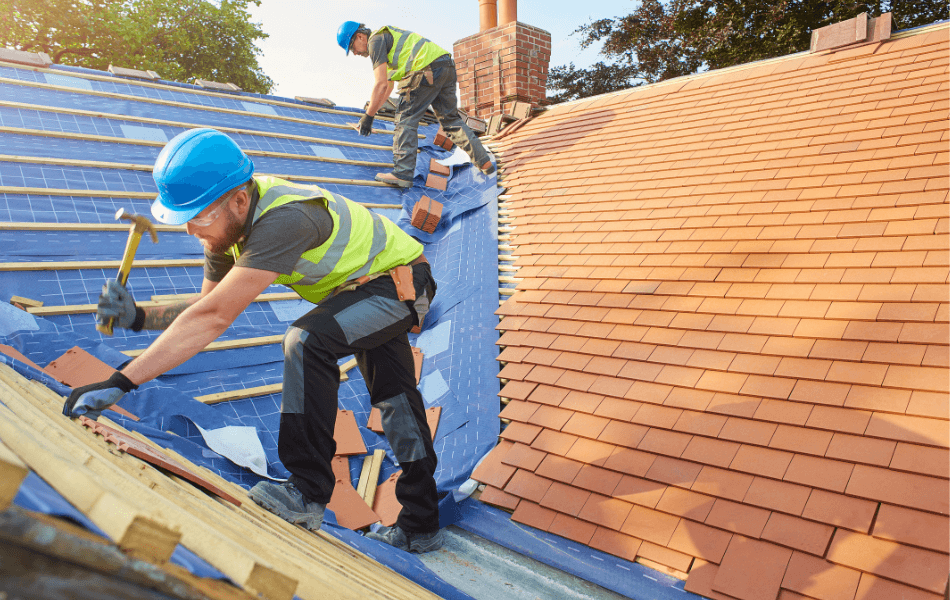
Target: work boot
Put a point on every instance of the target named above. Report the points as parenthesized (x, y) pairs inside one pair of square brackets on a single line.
[(288, 503), (391, 179), (410, 542), (488, 168)]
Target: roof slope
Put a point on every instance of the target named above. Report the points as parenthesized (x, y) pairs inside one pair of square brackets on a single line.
[(76, 145), (729, 343)]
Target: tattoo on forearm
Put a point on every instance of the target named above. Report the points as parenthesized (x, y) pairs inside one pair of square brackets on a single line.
[(160, 317)]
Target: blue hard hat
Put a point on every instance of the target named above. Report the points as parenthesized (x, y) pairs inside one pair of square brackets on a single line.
[(193, 170), (345, 33)]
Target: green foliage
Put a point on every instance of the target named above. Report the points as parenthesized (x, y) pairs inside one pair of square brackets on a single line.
[(661, 40), (179, 39)]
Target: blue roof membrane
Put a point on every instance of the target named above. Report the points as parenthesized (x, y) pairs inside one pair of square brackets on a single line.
[(458, 340)]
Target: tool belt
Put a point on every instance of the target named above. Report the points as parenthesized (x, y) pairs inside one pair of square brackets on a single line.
[(413, 80), (402, 277)]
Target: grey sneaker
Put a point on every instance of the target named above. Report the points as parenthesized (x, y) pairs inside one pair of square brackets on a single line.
[(410, 542), (288, 503)]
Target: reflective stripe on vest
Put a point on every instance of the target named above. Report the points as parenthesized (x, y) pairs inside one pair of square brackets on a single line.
[(410, 52), (361, 243)]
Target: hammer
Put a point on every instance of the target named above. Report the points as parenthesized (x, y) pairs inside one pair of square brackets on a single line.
[(139, 226)]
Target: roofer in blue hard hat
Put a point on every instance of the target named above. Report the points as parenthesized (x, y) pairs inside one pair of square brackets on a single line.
[(370, 283), (426, 76)]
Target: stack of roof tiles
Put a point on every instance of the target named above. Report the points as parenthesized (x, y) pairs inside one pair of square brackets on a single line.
[(728, 351)]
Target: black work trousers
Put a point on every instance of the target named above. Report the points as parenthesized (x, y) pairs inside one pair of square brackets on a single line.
[(413, 102), (371, 323)]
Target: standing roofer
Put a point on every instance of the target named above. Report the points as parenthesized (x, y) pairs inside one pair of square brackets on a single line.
[(426, 76), (258, 231)]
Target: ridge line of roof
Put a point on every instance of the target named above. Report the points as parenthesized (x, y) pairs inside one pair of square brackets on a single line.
[(898, 35)]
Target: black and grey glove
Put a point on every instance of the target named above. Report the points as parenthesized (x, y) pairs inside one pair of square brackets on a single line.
[(116, 302), (366, 125), (92, 399)]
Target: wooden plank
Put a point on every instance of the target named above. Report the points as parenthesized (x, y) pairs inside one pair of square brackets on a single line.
[(164, 298), (98, 264), (125, 507), (161, 86), (128, 527), (227, 111), (373, 476), (136, 142), (25, 302), (182, 124), (227, 344), (7, 189), (12, 473), (364, 477), (262, 390), (151, 195), (159, 101), (25, 226), (215, 531)]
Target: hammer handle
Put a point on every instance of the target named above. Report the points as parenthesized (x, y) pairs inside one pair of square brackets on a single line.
[(106, 327)]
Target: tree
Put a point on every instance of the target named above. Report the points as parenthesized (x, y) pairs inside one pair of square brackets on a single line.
[(661, 40), (179, 39)]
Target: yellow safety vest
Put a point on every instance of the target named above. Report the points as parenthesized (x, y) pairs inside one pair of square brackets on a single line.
[(362, 242), (410, 52)]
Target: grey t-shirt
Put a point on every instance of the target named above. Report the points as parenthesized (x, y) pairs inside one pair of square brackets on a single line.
[(379, 47), (277, 240)]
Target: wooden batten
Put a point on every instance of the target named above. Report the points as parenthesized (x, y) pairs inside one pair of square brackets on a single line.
[(12, 473), (262, 553)]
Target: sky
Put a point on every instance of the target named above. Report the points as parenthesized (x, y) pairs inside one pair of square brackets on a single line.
[(302, 56)]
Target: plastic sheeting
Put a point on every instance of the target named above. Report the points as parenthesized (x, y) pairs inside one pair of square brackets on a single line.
[(459, 371)]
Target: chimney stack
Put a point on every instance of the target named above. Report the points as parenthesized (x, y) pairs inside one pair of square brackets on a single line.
[(505, 62), (487, 14), (507, 12)]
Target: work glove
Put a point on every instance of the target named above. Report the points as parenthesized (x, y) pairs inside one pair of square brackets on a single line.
[(116, 302), (366, 125), (90, 400)]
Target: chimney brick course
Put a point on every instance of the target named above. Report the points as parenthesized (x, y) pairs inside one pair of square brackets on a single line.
[(500, 66)]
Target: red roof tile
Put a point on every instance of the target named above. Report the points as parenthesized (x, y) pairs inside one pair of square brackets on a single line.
[(745, 556), (875, 588), (777, 495), (650, 525), (749, 306), (800, 534), (739, 518), (696, 539), (816, 577), (919, 568), (912, 527)]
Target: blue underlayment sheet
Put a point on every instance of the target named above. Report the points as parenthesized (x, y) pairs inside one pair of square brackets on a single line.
[(458, 341)]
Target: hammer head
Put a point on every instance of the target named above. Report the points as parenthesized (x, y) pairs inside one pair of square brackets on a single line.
[(140, 223)]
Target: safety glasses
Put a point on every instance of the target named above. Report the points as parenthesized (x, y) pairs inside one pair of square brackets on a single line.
[(209, 218)]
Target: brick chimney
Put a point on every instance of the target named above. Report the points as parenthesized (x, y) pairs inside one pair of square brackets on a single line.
[(502, 63)]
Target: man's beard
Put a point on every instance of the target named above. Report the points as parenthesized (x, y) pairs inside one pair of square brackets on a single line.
[(232, 234)]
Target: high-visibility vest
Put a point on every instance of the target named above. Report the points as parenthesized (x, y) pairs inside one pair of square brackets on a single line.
[(362, 242), (410, 52)]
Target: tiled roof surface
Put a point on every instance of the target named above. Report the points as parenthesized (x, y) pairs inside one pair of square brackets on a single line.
[(728, 351)]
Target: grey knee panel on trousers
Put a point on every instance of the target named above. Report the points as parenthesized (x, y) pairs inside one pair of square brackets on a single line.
[(291, 398), (401, 429), (369, 316)]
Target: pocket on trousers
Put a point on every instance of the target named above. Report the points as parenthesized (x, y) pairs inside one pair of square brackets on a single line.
[(401, 429)]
